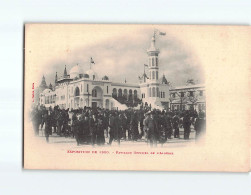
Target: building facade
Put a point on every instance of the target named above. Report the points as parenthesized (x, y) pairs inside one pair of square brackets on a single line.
[(189, 97), (79, 89)]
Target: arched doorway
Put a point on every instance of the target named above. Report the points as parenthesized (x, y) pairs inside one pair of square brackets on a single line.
[(135, 94), (125, 94), (97, 97), (114, 93), (76, 98)]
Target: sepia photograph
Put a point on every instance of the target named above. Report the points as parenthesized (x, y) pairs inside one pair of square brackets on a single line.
[(121, 92)]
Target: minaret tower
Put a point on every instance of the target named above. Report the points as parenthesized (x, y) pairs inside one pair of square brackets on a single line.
[(153, 69)]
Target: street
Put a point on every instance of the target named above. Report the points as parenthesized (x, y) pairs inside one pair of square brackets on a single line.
[(69, 142)]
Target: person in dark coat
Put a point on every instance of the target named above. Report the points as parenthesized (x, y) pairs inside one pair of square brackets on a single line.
[(54, 121), (152, 130), (43, 112), (123, 119), (105, 123), (93, 124), (134, 126), (48, 125), (65, 117), (168, 126), (176, 126), (59, 122), (100, 131), (76, 128), (115, 127), (128, 126), (141, 123), (156, 119), (162, 129), (186, 125), (147, 115), (200, 126), (84, 128)]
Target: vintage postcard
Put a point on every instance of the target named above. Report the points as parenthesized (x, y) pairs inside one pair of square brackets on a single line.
[(137, 97)]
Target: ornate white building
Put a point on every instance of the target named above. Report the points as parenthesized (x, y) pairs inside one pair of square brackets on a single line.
[(78, 88)]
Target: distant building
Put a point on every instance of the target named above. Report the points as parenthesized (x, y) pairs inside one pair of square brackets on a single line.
[(188, 97), (78, 88)]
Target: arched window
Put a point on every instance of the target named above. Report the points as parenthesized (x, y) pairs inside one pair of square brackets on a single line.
[(120, 92), (130, 94), (150, 92), (107, 89), (87, 88), (76, 91), (157, 75), (135, 94), (114, 92), (149, 62), (154, 92), (157, 91), (152, 61), (94, 93), (163, 94), (156, 61), (125, 93), (153, 74)]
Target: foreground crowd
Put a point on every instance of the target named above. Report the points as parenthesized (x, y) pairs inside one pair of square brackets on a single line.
[(92, 126)]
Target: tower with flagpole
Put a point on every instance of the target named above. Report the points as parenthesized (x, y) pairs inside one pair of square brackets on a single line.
[(153, 90)]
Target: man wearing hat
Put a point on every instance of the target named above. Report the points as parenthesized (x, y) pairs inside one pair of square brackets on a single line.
[(186, 125), (151, 129), (93, 124), (176, 126), (48, 125), (75, 127), (115, 126)]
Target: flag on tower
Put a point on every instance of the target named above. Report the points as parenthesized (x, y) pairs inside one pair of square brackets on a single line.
[(162, 33), (92, 61)]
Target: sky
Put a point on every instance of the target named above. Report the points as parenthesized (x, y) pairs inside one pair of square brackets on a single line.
[(119, 51)]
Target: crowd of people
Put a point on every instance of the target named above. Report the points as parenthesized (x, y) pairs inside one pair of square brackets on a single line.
[(94, 126)]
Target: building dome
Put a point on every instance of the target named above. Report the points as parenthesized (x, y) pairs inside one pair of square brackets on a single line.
[(92, 74), (75, 71)]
